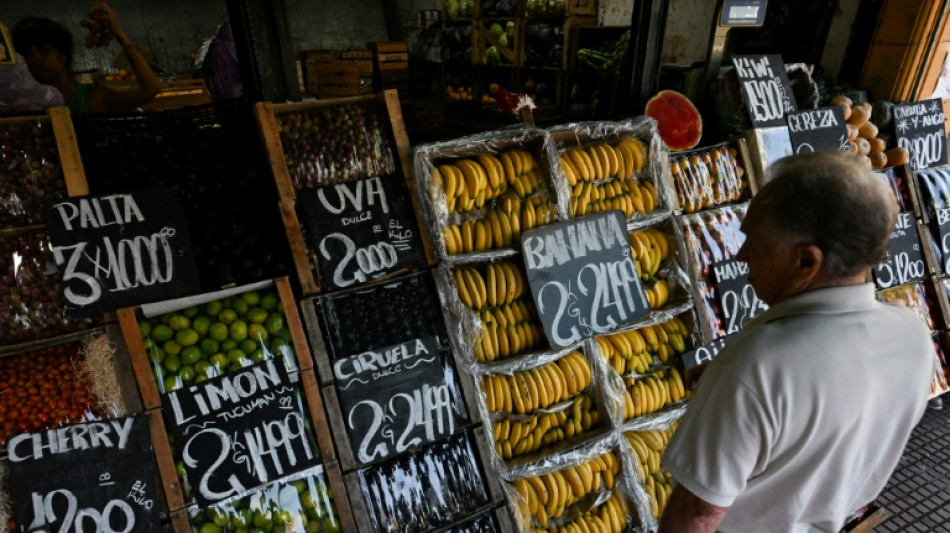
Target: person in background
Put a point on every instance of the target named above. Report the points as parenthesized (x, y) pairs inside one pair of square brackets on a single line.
[(803, 417), (47, 47)]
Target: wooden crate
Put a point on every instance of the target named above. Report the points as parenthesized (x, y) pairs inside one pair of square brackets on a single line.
[(581, 7), (570, 27), (390, 55), (509, 53), (171, 94), (266, 116), (331, 78)]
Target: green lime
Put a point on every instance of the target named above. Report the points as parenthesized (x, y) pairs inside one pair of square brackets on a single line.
[(258, 355), (256, 315), (201, 324), (148, 344), (331, 524), (213, 308), (241, 518), (270, 301), (191, 355), (237, 357), (247, 346), (145, 328), (240, 306), (172, 383), (238, 330), (210, 527), (209, 346), (251, 298), (278, 344), (172, 363), (284, 333), (156, 355), (220, 361), (190, 312), (228, 344), (201, 378), (161, 333), (218, 331), (283, 517), (187, 373), (166, 318), (299, 485), (262, 519), (257, 332), (178, 322), (187, 337), (203, 367), (172, 347), (274, 323), (180, 468), (227, 316)]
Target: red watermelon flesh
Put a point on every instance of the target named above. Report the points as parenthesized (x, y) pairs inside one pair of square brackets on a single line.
[(678, 121)]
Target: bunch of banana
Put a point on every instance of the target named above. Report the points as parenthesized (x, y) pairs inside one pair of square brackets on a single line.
[(648, 247), (649, 447), (601, 161), (539, 387), (608, 518), (658, 294), (651, 393), (626, 352), (514, 438), (627, 195), (501, 228), (666, 339), (548, 496), (520, 172), (504, 284)]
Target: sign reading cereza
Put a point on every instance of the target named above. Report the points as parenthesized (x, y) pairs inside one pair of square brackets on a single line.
[(920, 129), (398, 397), (815, 130), (737, 298), (120, 250), (582, 277), (97, 476), (905, 260), (240, 430), (766, 89), (362, 230)]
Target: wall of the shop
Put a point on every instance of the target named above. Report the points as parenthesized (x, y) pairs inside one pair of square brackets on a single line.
[(318, 24)]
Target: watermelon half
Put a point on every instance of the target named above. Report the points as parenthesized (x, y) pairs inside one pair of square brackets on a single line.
[(678, 120)]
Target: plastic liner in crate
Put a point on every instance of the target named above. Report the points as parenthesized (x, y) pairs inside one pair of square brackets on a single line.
[(32, 305), (480, 193), (30, 170), (708, 177), (917, 298), (896, 181), (654, 484), (332, 144), (584, 489), (603, 166), (428, 489), (934, 186), (59, 385), (300, 503), (484, 523), (712, 236), (542, 406)]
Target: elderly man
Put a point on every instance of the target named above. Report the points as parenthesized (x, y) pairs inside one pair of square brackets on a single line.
[(803, 417)]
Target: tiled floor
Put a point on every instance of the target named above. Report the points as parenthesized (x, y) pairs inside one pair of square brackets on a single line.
[(917, 498)]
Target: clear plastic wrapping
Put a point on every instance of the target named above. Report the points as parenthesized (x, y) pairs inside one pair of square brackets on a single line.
[(935, 188), (603, 166), (426, 490), (32, 306), (480, 193), (708, 177), (898, 186), (915, 297), (713, 236), (30, 171), (485, 523), (7, 523), (202, 341), (659, 255), (654, 484), (301, 503), (336, 143), (639, 351)]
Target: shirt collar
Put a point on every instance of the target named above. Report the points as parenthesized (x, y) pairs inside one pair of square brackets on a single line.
[(828, 300)]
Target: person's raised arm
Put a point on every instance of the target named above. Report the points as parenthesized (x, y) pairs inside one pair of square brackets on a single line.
[(126, 98)]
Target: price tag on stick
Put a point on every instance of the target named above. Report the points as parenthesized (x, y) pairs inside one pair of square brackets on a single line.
[(920, 129), (737, 298), (904, 262)]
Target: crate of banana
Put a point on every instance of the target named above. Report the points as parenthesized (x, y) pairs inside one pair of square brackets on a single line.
[(649, 248), (636, 352), (566, 499), (498, 295), (648, 447), (707, 178), (542, 406), (644, 395)]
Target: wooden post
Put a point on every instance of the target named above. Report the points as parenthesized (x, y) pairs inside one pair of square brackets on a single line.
[(141, 365), (73, 172), (174, 496), (292, 321)]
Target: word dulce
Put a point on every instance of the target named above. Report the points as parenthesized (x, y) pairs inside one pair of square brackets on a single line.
[(815, 130), (737, 298), (766, 89), (121, 250), (904, 261), (920, 129), (582, 277)]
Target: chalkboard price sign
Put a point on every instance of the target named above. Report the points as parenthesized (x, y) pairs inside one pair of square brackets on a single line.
[(397, 398), (362, 230), (815, 130), (920, 129), (705, 353), (582, 277), (766, 89), (120, 250), (737, 298), (98, 476), (238, 431), (905, 260), (943, 229)]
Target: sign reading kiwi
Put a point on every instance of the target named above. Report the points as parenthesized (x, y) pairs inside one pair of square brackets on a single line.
[(398, 398), (97, 476), (240, 430), (905, 260), (814, 130), (362, 230), (582, 277), (920, 129), (737, 297), (766, 89), (120, 250)]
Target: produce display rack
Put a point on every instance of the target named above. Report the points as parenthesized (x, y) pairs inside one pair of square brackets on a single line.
[(266, 113)]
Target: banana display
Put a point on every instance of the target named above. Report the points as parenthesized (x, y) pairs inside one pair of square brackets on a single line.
[(537, 388), (627, 195), (649, 447), (514, 438), (501, 228), (649, 394), (547, 497), (632, 351), (501, 300), (657, 294), (608, 518), (470, 183), (603, 177), (648, 247), (708, 178)]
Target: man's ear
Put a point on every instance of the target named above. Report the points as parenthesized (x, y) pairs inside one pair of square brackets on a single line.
[(810, 261)]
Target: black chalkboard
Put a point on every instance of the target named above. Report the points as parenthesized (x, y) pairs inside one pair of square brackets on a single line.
[(78, 478), (582, 277), (815, 130), (943, 238), (765, 88), (362, 230), (119, 250), (919, 127), (737, 298), (705, 353), (905, 260), (397, 398), (238, 431)]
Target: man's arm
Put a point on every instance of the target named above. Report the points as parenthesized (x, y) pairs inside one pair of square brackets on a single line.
[(687, 513), (114, 99)]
